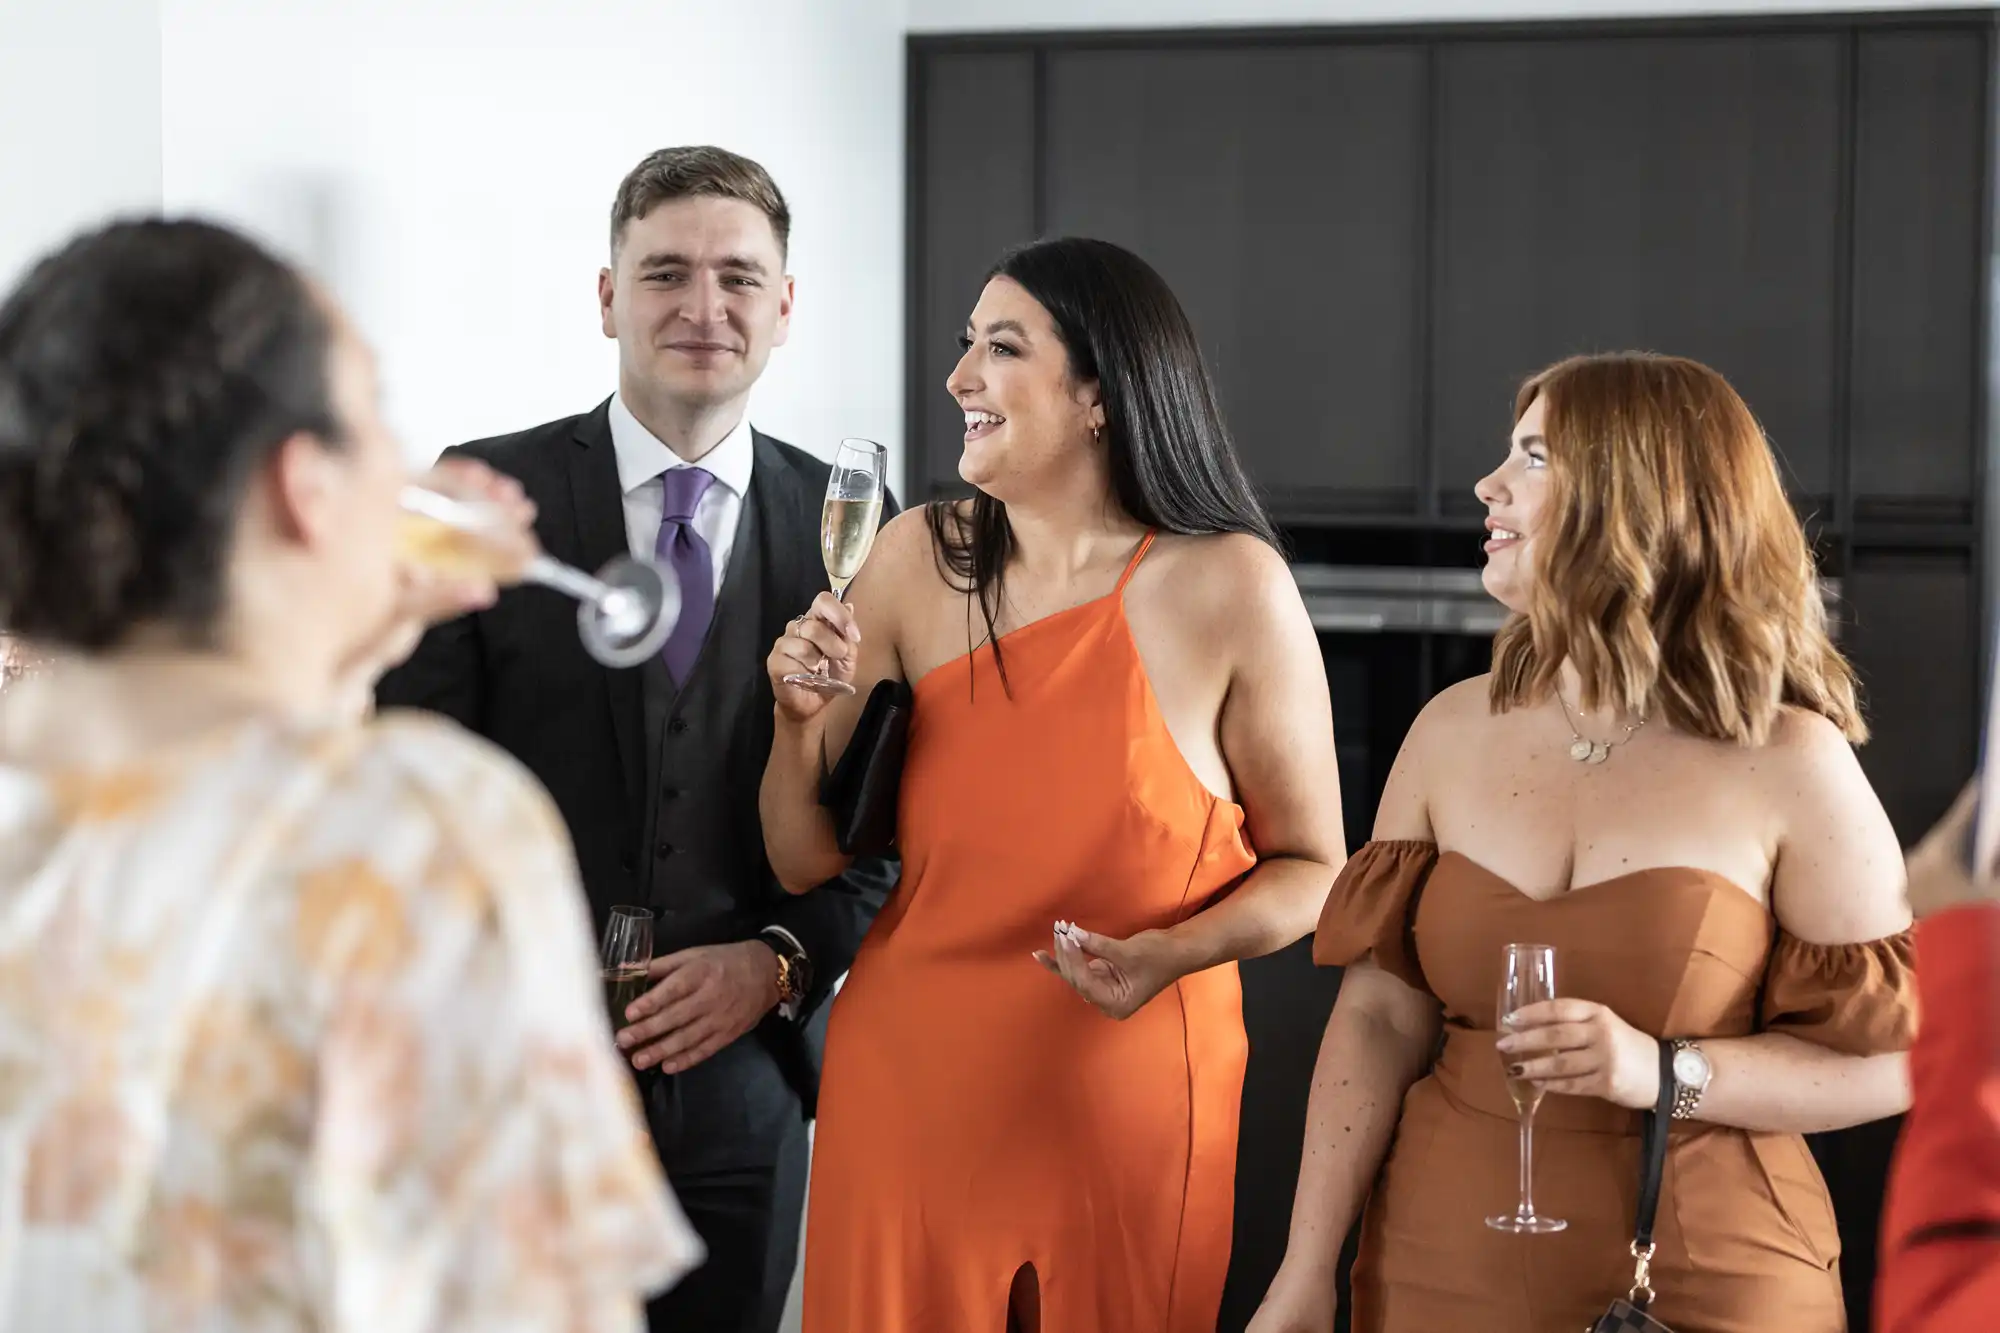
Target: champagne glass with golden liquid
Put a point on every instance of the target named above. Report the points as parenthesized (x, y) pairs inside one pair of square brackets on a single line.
[(1528, 976), (624, 614), (847, 525), (628, 948)]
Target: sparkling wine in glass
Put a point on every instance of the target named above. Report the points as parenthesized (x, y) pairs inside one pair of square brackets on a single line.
[(847, 526), (623, 615), (1528, 976), (628, 948)]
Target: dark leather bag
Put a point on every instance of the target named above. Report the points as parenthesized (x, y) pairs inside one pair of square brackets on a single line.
[(862, 790)]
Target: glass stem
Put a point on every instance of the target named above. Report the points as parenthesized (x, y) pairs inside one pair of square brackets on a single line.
[(839, 595), (566, 579), (1528, 1165)]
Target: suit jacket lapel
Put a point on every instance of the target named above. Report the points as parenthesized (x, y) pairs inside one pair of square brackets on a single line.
[(599, 503), (789, 520)]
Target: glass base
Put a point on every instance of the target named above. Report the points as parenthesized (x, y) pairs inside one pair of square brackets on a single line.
[(633, 622), (1527, 1224), (813, 680)]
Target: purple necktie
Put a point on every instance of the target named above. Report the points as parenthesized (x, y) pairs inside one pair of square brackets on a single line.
[(683, 550)]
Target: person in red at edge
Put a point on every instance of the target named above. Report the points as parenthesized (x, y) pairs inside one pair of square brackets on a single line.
[(1940, 1268)]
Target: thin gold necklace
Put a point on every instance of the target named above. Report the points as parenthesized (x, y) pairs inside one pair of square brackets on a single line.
[(1587, 751)]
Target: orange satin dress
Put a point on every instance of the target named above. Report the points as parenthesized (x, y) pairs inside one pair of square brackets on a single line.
[(976, 1114)]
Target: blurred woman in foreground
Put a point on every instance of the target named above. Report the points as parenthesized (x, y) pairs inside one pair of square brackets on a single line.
[(299, 1023)]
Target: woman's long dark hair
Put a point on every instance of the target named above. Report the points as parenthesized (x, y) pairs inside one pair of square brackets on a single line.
[(1172, 464)]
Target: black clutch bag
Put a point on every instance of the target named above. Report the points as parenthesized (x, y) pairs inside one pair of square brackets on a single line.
[(1629, 1314), (863, 788)]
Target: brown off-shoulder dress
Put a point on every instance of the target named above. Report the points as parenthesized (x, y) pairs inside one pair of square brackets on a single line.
[(1746, 1234)]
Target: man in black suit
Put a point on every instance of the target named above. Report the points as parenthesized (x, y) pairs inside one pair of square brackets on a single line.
[(656, 768)]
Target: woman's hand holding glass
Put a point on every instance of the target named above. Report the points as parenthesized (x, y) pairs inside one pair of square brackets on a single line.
[(1579, 1048), (825, 639), (430, 593)]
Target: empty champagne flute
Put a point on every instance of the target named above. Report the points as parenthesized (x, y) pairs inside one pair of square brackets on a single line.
[(1528, 977), (624, 613), (628, 948), (847, 525)]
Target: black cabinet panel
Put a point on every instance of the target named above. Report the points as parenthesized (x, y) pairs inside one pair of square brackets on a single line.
[(1279, 191), (1918, 176), (1910, 622), (1672, 194), (975, 141)]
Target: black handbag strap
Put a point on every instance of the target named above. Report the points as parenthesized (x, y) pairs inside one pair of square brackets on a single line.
[(1652, 1171)]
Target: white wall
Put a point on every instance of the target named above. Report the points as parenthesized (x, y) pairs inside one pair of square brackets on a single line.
[(1015, 15), (448, 166), (79, 120)]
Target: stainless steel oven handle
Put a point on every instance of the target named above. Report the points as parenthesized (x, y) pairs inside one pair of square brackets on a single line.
[(1350, 621)]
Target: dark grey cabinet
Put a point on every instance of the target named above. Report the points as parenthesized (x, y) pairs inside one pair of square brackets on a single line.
[(1279, 190), (1911, 633), (1919, 175), (1673, 194), (973, 131)]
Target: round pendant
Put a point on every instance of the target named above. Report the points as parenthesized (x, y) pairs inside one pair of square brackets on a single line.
[(1581, 751), (1599, 752)]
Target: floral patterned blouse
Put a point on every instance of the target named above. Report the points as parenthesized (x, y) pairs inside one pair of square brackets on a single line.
[(301, 1030)]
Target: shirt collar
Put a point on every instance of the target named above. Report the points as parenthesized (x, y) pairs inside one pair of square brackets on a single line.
[(642, 457)]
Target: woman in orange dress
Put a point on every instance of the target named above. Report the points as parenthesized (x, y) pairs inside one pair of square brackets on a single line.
[(1658, 780), (1940, 1268), (1120, 779)]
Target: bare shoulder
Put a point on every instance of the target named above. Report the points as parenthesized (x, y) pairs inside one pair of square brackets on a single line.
[(1840, 866), (1807, 767), (902, 565), (1802, 735), (1452, 712), (1227, 584), (904, 540)]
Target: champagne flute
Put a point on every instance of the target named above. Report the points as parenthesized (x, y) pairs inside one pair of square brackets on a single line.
[(628, 948), (847, 525), (1528, 977), (624, 614)]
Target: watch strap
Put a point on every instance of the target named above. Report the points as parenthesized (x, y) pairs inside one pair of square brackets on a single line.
[(792, 969), (1687, 1097)]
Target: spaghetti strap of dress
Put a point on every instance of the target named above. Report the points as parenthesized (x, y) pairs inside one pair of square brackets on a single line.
[(1132, 566)]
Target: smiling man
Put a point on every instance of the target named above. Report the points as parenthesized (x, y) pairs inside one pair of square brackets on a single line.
[(656, 769)]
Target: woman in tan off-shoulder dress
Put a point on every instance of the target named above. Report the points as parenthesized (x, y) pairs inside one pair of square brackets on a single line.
[(300, 1022), (1657, 780)]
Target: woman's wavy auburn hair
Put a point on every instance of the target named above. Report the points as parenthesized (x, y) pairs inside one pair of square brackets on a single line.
[(1670, 569)]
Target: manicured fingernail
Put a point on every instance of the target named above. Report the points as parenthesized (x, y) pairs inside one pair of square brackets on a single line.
[(1515, 1070)]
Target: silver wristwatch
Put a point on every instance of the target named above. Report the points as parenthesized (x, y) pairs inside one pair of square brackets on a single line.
[(1691, 1075)]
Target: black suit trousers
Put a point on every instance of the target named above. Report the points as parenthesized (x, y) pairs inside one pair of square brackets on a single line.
[(732, 1136)]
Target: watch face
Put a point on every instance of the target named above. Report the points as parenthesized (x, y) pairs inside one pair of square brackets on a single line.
[(1690, 1067)]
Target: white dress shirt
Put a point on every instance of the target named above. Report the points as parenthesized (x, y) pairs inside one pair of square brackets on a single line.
[(643, 460)]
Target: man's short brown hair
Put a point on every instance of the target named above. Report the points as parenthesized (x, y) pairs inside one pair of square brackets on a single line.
[(685, 173)]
